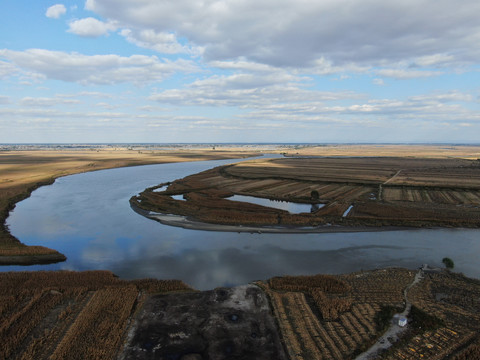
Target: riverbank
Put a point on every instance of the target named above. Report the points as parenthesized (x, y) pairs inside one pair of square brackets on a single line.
[(345, 194), (23, 171), (187, 223)]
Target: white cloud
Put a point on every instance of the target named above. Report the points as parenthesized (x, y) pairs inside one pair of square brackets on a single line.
[(96, 69), (407, 73), (438, 60), (276, 89), (46, 102), (95, 94), (4, 100), (7, 69), (243, 66), (163, 42), (91, 27), (378, 81), (452, 96), (302, 33), (55, 11)]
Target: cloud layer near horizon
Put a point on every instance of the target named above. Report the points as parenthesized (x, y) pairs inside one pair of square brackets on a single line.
[(347, 70)]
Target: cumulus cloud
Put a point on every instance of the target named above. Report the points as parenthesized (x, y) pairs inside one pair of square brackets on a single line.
[(55, 11), (6, 69), (96, 69), (91, 27), (162, 42), (297, 33), (278, 89)]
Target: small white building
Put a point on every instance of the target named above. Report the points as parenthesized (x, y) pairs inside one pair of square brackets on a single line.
[(402, 321)]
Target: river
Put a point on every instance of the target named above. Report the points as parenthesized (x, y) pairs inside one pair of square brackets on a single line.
[(88, 218)]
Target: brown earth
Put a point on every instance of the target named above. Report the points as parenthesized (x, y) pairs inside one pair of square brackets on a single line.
[(22, 171), (225, 323)]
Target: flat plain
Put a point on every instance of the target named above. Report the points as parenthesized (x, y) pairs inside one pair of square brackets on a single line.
[(22, 171), (348, 191), (63, 314)]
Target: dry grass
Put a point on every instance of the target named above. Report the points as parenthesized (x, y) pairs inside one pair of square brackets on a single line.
[(426, 151), (69, 315)]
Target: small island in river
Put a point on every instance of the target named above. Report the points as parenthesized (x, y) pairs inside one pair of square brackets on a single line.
[(341, 194)]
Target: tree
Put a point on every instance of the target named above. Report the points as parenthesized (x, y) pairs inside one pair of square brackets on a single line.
[(314, 195), (448, 263)]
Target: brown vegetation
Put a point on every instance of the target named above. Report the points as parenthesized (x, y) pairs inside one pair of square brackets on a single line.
[(339, 322), (425, 151), (455, 300), (444, 322), (21, 172), (69, 315), (379, 191)]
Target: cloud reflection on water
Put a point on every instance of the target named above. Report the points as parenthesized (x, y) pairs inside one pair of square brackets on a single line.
[(96, 229)]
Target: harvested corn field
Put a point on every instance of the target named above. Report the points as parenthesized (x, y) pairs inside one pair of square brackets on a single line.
[(350, 192), (94, 315), (334, 317), (443, 322), (69, 315)]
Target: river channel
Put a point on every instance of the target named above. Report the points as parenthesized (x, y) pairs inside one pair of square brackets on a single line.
[(88, 218)]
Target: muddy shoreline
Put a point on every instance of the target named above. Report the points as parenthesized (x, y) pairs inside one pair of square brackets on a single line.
[(192, 224)]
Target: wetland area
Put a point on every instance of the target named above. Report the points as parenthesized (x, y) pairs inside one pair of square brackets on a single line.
[(88, 217)]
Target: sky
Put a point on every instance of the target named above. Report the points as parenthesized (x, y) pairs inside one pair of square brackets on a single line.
[(203, 71)]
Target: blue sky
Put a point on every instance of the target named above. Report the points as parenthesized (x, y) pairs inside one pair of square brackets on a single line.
[(239, 71)]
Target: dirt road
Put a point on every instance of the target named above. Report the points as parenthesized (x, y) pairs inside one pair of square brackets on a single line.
[(394, 331)]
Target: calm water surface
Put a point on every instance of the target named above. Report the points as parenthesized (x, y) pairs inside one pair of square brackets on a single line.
[(87, 217), (291, 207)]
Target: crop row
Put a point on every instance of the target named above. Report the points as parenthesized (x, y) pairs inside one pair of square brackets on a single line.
[(83, 313), (471, 352), (460, 197), (325, 283), (432, 345), (330, 307), (384, 287), (104, 317), (307, 337)]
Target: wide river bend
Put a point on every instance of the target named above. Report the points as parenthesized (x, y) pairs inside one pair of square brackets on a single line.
[(88, 218)]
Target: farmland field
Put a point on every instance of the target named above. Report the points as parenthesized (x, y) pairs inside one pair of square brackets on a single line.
[(357, 191), (95, 315), (443, 323), (69, 315)]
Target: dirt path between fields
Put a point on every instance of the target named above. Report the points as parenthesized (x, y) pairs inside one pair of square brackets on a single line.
[(394, 331)]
